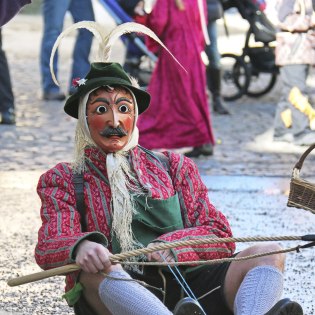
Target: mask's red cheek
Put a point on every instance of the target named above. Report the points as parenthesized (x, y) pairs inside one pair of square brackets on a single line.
[(96, 123), (128, 123)]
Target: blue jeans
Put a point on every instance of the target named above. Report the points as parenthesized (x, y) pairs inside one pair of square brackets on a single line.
[(54, 12), (212, 50)]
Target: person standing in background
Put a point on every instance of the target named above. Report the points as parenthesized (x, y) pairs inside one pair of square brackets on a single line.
[(8, 9), (7, 115), (179, 93), (215, 12), (295, 54), (54, 12), (135, 10)]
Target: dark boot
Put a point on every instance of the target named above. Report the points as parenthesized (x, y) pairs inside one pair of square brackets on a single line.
[(6, 94), (214, 85), (188, 306), (205, 149), (7, 117), (286, 307)]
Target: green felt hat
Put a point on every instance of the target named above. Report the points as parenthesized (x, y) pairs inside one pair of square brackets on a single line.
[(101, 74)]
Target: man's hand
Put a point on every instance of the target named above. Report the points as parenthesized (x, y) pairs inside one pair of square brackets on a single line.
[(93, 257), (156, 256)]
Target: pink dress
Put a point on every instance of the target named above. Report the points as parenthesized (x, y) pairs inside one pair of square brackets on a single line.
[(179, 112)]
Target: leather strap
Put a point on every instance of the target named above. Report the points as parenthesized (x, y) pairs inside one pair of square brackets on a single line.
[(78, 182)]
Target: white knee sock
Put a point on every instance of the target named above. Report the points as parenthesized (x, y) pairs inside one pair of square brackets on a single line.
[(129, 297), (260, 290)]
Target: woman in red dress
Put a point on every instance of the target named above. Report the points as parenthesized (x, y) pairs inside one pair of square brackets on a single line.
[(179, 113)]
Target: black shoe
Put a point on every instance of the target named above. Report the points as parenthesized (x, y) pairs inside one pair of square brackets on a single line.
[(54, 96), (7, 118), (218, 107), (188, 306), (286, 307), (206, 149)]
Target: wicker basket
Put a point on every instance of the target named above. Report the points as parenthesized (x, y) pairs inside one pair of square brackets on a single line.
[(302, 192)]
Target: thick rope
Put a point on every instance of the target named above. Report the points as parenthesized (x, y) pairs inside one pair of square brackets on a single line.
[(206, 240), (209, 262), (63, 270)]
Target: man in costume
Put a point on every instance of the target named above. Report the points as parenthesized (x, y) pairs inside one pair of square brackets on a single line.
[(135, 198)]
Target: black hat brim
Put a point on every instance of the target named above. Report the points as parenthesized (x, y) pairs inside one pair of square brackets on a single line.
[(72, 104)]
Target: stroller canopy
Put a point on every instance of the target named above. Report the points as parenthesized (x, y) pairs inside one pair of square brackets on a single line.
[(252, 11)]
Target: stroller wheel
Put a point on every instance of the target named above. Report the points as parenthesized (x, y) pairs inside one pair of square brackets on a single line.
[(261, 83), (235, 77)]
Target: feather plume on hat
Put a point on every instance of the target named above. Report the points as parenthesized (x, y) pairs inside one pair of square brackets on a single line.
[(117, 164), (106, 41)]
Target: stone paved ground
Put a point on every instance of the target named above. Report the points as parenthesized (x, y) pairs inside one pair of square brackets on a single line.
[(249, 173)]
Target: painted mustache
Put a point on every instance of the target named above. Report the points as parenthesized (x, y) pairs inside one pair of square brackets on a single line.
[(110, 131)]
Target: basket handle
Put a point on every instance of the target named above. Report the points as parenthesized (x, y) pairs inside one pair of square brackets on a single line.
[(300, 162)]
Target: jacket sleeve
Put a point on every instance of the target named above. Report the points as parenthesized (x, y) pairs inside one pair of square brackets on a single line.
[(60, 231), (201, 219), (8, 9)]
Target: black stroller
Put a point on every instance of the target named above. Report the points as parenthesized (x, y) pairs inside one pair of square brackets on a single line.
[(254, 72), (139, 61)]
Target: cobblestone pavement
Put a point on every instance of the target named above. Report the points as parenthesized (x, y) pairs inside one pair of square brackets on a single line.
[(244, 157)]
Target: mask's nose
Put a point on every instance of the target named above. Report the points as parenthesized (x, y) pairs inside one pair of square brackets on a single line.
[(114, 120)]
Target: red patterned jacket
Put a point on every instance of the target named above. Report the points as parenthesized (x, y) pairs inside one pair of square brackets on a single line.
[(61, 230)]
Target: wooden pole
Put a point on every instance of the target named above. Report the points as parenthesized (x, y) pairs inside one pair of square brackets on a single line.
[(43, 275)]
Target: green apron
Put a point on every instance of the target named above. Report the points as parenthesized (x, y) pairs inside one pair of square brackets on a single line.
[(154, 217)]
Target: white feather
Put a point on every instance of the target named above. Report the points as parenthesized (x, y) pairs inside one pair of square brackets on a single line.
[(93, 27), (105, 40), (131, 27)]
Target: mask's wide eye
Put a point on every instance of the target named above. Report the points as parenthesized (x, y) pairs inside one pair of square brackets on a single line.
[(101, 109), (124, 108)]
